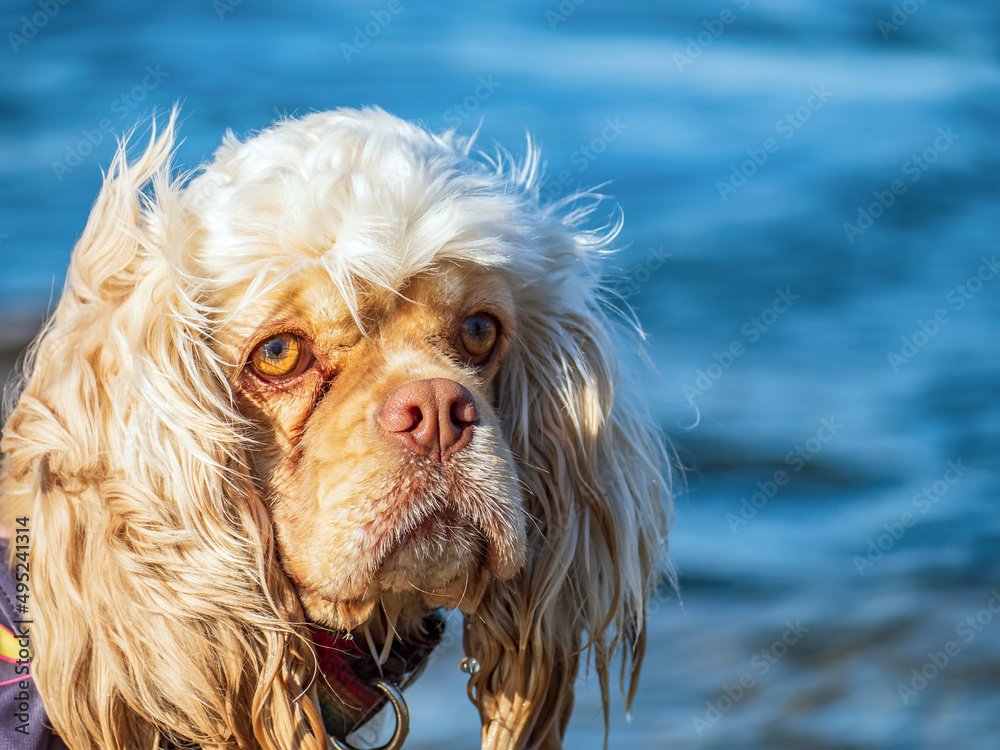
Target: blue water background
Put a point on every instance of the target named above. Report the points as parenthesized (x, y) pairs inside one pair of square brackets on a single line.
[(708, 265)]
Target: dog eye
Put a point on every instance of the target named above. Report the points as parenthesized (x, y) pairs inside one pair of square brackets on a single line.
[(277, 357), (477, 337)]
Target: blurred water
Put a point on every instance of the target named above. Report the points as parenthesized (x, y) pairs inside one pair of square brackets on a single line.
[(740, 138)]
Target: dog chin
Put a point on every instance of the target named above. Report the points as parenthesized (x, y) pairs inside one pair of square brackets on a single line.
[(441, 548), (340, 615), (463, 592), (439, 564)]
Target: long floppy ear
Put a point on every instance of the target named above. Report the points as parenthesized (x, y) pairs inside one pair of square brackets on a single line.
[(595, 469), (159, 609)]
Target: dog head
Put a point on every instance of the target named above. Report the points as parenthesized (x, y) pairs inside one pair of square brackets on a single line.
[(348, 374)]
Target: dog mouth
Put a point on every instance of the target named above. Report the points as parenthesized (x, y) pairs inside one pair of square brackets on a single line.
[(432, 553), (435, 551), (443, 527), (447, 532), (437, 533)]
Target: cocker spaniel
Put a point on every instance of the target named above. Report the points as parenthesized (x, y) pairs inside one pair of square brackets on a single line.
[(350, 374)]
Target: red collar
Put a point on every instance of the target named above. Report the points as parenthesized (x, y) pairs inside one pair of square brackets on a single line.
[(348, 694)]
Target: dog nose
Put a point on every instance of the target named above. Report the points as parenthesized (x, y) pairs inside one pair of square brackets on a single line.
[(433, 418)]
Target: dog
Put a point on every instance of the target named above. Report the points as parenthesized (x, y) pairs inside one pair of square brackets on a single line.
[(350, 374)]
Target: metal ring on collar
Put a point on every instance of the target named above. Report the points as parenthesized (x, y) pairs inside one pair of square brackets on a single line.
[(395, 696)]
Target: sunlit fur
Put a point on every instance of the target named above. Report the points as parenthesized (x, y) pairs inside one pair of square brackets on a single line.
[(186, 520)]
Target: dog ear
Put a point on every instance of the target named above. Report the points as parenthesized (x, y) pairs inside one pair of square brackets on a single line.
[(159, 609), (595, 470)]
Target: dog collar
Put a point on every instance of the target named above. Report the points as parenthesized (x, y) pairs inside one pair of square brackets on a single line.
[(355, 687)]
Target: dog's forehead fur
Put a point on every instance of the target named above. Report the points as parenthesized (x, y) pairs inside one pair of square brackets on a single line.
[(362, 196)]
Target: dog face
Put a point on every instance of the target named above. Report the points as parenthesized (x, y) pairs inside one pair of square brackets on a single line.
[(363, 310), (378, 445), (330, 378)]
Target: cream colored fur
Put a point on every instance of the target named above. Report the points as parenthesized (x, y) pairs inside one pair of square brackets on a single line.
[(172, 566)]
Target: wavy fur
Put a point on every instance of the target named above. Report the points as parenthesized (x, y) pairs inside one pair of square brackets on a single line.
[(161, 605)]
